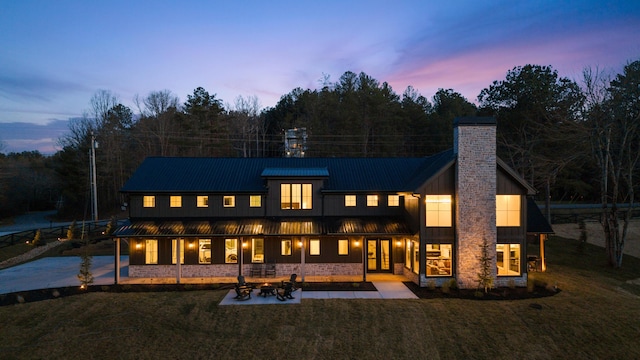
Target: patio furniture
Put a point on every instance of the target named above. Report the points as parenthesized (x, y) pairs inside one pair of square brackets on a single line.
[(270, 270), (257, 270), (292, 281), (243, 290), (284, 293)]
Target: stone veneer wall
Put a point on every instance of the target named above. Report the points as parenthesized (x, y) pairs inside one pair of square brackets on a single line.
[(475, 145), (231, 270)]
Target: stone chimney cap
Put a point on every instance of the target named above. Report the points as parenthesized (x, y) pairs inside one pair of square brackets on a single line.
[(474, 121)]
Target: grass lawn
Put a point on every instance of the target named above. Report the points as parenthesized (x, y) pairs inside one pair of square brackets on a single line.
[(595, 316)]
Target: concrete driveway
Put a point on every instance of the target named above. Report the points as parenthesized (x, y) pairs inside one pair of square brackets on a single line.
[(56, 272)]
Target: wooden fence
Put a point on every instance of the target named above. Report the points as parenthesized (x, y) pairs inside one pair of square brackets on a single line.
[(86, 229)]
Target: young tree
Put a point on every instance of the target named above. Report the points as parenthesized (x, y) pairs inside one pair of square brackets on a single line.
[(485, 275), (84, 275)]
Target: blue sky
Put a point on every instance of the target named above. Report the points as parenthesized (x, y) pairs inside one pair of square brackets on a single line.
[(54, 55)]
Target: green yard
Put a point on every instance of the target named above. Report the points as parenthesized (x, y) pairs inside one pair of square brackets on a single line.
[(595, 316)]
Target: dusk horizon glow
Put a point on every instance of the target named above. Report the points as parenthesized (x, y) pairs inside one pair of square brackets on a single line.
[(55, 55)]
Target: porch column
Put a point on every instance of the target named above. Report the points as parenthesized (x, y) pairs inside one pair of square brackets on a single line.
[(117, 261), (364, 259), (302, 259), (543, 265), (240, 247), (178, 262)]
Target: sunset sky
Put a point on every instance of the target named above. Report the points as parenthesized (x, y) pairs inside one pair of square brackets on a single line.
[(54, 55)]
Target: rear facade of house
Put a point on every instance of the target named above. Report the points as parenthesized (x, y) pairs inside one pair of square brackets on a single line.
[(425, 218)]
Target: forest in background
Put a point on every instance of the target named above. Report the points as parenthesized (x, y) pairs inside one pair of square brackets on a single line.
[(554, 131)]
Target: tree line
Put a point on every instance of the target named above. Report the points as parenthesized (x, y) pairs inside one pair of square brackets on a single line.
[(574, 141)]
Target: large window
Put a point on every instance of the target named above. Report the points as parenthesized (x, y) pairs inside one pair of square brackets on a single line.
[(343, 247), (416, 257), (175, 201), (229, 201), (203, 201), (508, 259), (149, 201), (438, 260), (349, 200), (285, 247), (173, 251), (507, 210), (255, 201), (407, 253), (314, 247), (151, 251), (257, 250), (372, 200), (204, 251), (439, 212), (393, 200), (231, 251), (296, 196)]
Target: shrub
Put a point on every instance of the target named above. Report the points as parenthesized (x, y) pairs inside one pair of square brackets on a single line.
[(355, 285), (431, 285), (445, 288), (511, 284), (37, 239), (71, 230), (453, 284)]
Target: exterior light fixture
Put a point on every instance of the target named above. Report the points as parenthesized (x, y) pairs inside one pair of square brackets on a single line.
[(138, 246), (300, 243), (244, 244), (398, 243), (191, 245), (357, 243)]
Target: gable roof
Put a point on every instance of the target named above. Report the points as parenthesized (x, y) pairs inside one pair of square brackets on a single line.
[(190, 174), (536, 222)]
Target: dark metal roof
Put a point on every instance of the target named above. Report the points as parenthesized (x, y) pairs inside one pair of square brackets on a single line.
[(167, 174), (304, 172), (536, 222), (262, 226)]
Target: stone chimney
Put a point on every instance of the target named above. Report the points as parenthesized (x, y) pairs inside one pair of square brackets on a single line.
[(474, 144)]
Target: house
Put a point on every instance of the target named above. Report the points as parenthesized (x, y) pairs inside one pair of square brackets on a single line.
[(425, 218)]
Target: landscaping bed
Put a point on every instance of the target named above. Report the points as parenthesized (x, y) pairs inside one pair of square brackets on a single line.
[(501, 293)]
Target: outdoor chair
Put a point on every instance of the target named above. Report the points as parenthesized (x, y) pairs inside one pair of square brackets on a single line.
[(270, 270), (243, 290), (292, 281), (256, 270), (284, 292)]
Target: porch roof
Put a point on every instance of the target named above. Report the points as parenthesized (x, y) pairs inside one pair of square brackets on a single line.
[(264, 226)]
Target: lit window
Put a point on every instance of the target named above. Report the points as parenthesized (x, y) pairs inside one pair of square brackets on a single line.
[(175, 201), (314, 247), (416, 257), (173, 251), (508, 259), (148, 201), (438, 260), (257, 250), (285, 247), (507, 210), (204, 250), (372, 200), (255, 201), (393, 200), (203, 201), (151, 251), (439, 210), (407, 253), (231, 251), (343, 247), (229, 201), (349, 200), (296, 196)]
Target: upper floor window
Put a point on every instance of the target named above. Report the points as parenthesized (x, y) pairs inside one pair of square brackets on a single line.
[(229, 201), (203, 201), (507, 210), (372, 200), (295, 196), (255, 201), (439, 213), (393, 200), (149, 201), (175, 201), (349, 200)]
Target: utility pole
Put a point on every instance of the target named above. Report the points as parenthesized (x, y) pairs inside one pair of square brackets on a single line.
[(94, 187)]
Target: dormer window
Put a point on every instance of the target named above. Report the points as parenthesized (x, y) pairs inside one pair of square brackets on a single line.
[(295, 196)]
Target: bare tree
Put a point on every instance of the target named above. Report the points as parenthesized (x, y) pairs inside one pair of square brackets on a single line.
[(157, 111), (247, 124)]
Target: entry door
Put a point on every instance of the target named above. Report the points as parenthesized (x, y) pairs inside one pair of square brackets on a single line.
[(378, 255)]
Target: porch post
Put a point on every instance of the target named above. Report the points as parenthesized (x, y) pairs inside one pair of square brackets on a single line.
[(241, 252), (543, 265), (117, 261), (302, 259), (364, 264), (178, 262)]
